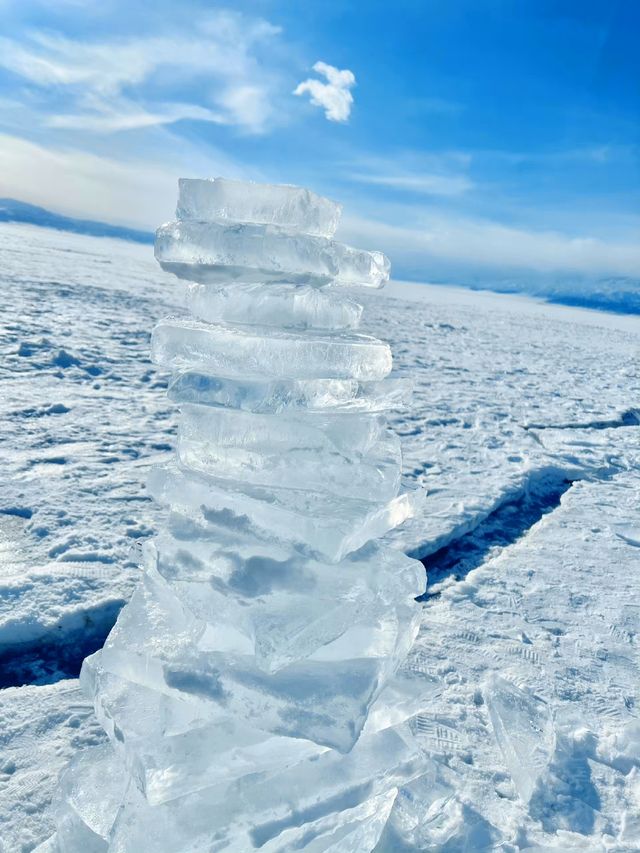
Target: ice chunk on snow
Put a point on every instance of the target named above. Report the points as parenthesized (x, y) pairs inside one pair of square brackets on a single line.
[(250, 352), (324, 698), (523, 728), (320, 522), (283, 305), (293, 208), (241, 687), (310, 806), (209, 252), (96, 768), (274, 396)]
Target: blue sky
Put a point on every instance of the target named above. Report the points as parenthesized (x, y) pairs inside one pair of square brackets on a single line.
[(468, 139)]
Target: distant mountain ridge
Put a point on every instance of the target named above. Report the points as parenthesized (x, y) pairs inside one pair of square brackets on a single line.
[(12, 210), (619, 294)]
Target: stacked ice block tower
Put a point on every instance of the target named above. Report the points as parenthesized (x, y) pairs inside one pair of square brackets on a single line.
[(251, 689)]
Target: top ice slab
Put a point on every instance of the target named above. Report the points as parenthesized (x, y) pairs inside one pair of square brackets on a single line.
[(293, 208)]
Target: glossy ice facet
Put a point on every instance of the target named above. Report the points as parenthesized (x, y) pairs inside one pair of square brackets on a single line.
[(235, 352), (209, 252), (293, 208), (282, 305), (322, 523), (282, 395)]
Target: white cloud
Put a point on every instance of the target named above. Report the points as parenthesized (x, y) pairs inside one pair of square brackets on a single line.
[(127, 117), (443, 173), (444, 242), (419, 183), (137, 192), (102, 86), (333, 96)]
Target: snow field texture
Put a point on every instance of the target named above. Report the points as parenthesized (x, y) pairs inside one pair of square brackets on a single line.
[(524, 424)]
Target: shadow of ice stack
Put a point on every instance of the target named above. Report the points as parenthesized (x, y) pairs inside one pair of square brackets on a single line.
[(249, 688)]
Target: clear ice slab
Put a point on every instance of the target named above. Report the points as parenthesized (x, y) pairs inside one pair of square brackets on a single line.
[(345, 454), (324, 698), (307, 807), (264, 396), (297, 431), (285, 606), (209, 252), (324, 524), (282, 305), (200, 749), (293, 208), (248, 352)]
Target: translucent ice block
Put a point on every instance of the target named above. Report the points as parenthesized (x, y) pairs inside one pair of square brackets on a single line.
[(131, 712), (280, 395), (209, 252), (293, 208), (523, 728), (320, 522), (201, 754), (346, 454), (95, 768), (251, 352), (317, 806), (73, 834), (204, 749), (282, 305), (295, 431), (324, 698), (286, 606), (298, 459)]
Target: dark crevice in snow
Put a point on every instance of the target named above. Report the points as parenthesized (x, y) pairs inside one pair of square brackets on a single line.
[(59, 653), (629, 418), (508, 523)]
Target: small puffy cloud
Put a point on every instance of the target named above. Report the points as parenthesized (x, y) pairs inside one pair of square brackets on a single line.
[(333, 96)]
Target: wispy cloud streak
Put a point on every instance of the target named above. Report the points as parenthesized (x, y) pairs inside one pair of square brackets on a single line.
[(107, 85)]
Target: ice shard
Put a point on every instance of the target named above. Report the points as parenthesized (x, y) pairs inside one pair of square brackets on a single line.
[(294, 208), (282, 305), (210, 252), (240, 352), (254, 690), (271, 396)]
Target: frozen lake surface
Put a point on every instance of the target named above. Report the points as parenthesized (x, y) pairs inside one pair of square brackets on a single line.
[(524, 428)]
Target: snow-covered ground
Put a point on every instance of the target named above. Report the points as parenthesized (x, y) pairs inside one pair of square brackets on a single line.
[(525, 428)]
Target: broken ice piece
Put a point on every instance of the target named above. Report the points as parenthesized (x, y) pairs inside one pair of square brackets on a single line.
[(274, 396), (287, 606), (323, 523), (324, 698), (252, 352), (293, 208), (330, 803), (85, 820), (523, 728), (209, 252), (283, 305)]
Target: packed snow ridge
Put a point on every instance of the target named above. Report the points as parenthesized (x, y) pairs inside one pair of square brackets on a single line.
[(251, 689)]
